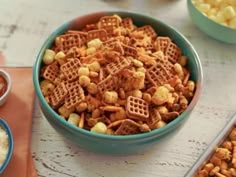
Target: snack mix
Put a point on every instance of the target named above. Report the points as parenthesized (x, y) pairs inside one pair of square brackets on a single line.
[(220, 11), (223, 161), (113, 77)]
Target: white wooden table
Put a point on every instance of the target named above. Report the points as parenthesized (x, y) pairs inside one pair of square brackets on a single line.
[(25, 24)]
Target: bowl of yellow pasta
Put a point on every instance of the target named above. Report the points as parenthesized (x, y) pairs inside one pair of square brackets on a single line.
[(117, 82), (215, 18)]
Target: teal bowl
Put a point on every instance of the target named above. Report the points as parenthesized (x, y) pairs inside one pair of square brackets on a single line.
[(7, 129), (113, 144), (210, 27)]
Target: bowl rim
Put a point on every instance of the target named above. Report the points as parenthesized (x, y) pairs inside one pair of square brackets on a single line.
[(152, 133), (7, 128), (190, 2), (7, 77)]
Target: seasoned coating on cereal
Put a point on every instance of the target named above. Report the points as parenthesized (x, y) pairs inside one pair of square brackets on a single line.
[(116, 78)]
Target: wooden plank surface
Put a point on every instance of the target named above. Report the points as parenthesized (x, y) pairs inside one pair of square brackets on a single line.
[(25, 24)]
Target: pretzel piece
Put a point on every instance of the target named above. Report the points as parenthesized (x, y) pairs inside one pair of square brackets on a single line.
[(51, 72), (161, 43), (106, 84), (173, 52), (76, 96), (67, 41), (127, 23), (129, 51), (70, 69), (93, 34), (82, 35), (128, 127), (58, 95), (115, 46), (153, 118), (115, 67), (109, 23), (148, 30), (70, 84), (160, 73), (74, 52), (137, 108)]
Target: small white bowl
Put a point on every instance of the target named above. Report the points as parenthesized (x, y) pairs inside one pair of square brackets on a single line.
[(7, 77)]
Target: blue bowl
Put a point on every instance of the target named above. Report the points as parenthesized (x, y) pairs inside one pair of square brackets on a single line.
[(5, 126), (112, 144)]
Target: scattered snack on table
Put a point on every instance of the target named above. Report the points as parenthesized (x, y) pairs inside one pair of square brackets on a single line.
[(115, 78), (223, 161), (220, 11)]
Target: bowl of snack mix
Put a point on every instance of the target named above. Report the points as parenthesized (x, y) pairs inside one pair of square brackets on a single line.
[(6, 145), (217, 18), (117, 82), (5, 86)]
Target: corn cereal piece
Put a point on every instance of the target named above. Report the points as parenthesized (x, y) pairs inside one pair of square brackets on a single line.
[(74, 119), (46, 87), (84, 81), (48, 56), (94, 66), (100, 127), (96, 43), (161, 96), (110, 97), (65, 112)]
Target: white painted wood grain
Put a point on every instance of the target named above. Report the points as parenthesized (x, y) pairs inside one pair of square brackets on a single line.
[(25, 24)]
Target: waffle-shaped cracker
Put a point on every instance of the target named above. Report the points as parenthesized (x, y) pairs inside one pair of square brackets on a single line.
[(109, 23), (115, 67), (58, 95), (148, 30), (106, 84), (71, 84), (93, 34), (161, 43), (127, 23), (173, 52), (137, 108), (82, 35), (129, 51), (128, 127), (160, 73), (115, 46), (70, 69), (67, 41), (153, 118), (51, 72), (75, 96)]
